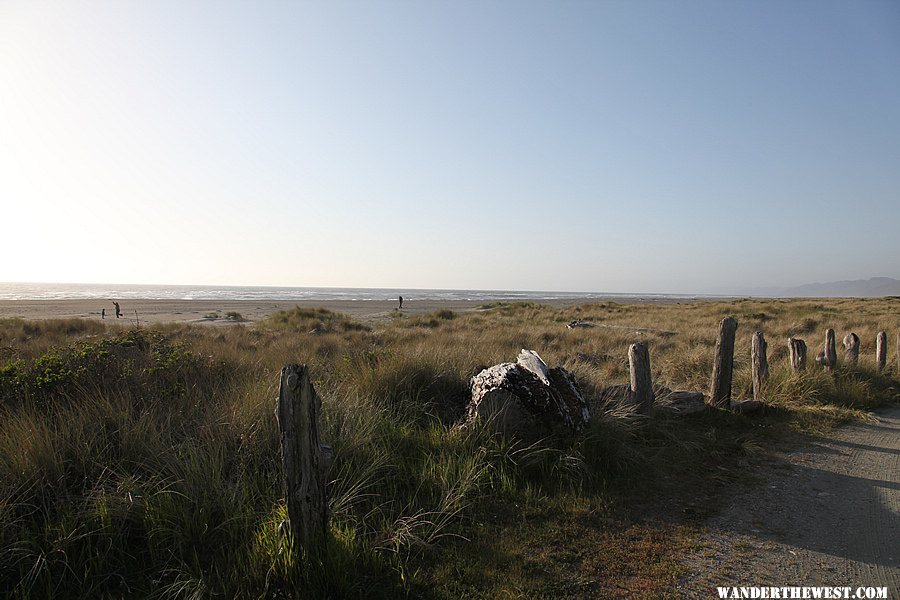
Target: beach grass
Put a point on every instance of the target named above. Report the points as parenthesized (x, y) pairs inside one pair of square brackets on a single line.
[(144, 462)]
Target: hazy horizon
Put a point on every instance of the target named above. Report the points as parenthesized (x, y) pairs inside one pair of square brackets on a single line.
[(605, 147), (871, 287)]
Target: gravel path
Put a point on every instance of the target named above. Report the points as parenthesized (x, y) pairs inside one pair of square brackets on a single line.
[(827, 515)]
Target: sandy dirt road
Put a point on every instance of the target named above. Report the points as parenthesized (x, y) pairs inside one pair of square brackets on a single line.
[(827, 514)]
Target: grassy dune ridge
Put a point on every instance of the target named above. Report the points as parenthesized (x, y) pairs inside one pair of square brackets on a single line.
[(145, 463)]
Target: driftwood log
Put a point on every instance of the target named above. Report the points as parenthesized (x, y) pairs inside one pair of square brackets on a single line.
[(746, 406), (639, 330), (881, 351), (798, 353), (527, 396), (723, 367), (679, 402), (851, 349), (303, 459), (682, 402), (641, 386), (760, 364)]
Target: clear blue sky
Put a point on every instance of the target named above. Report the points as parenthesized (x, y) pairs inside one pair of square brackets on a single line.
[(622, 146)]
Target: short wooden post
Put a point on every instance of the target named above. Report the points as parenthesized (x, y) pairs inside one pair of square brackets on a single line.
[(798, 353), (303, 460), (760, 363), (851, 349), (830, 357), (723, 367), (641, 385), (881, 351)]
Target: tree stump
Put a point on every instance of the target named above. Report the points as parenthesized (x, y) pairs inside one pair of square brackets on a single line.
[(881, 351), (641, 385), (798, 353), (303, 460), (829, 358), (851, 349), (527, 398), (760, 364), (723, 367)]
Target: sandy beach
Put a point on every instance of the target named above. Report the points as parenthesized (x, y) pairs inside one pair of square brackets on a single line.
[(200, 311), (197, 311)]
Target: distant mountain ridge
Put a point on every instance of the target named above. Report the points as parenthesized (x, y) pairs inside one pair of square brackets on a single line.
[(863, 288)]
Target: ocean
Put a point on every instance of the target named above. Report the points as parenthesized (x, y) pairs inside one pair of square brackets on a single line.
[(81, 291)]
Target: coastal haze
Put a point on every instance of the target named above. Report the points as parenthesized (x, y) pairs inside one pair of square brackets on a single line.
[(74, 291), (652, 147)]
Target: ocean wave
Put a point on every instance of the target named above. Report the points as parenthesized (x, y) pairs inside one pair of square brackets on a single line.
[(71, 291)]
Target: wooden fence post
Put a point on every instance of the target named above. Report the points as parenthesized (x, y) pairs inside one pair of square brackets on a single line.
[(798, 353), (760, 364), (720, 387), (830, 358), (881, 350), (851, 349), (641, 385), (303, 460)]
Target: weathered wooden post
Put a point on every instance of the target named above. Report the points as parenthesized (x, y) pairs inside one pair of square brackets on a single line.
[(851, 349), (830, 357), (798, 353), (303, 460), (881, 351), (760, 363), (641, 385), (723, 367)]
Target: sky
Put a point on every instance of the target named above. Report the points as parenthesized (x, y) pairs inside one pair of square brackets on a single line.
[(603, 146)]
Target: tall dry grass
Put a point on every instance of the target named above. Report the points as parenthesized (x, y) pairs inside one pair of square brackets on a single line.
[(146, 463)]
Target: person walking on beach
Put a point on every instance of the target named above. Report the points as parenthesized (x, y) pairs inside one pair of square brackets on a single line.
[(118, 312), (102, 313), (401, 303)]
